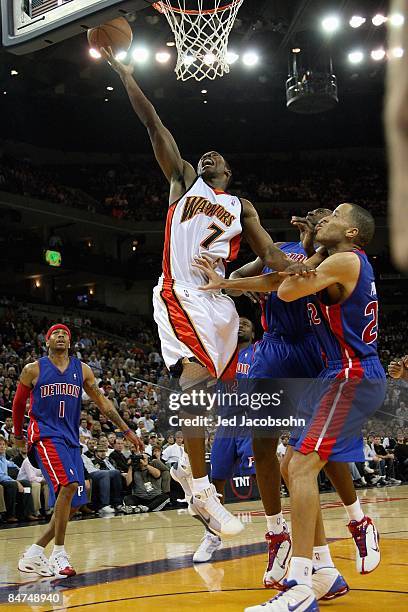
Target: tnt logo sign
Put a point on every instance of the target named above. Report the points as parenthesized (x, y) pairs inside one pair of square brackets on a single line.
[(242, 481)]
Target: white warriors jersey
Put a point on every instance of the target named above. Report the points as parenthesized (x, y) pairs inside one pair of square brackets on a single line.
[(204, 221)]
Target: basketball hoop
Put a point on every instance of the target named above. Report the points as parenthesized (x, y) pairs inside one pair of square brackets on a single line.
[(201, 29)]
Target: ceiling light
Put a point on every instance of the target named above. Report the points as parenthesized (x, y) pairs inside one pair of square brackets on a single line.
[(14, 73), (94, 53), (163, 57), (231, 57), (4, 93), (356, 21), (378, 19), (396, 20), (355, 57), (140, 54), (378, 54), (188, 60), (296, 50), (250, 58), (397, 52), (120, 56), (105, 100), (209, 59), (203, 91), (170, 43), (330, 23), (205, 101), (109, 88)]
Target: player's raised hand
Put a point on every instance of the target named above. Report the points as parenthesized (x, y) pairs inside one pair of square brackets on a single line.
[(298, 269), (138, 442), (307, 230), (396, 368), (119, 67), (206, 265)]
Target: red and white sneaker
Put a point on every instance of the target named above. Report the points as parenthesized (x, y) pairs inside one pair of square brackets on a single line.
[(366, 539), (279, 547), (61, 566)]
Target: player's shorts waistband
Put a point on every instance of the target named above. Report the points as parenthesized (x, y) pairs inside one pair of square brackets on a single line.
[(353, 362), (176, 284), (286, 338)]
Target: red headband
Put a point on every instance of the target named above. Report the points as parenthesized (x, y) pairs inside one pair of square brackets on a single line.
[(53, 328)]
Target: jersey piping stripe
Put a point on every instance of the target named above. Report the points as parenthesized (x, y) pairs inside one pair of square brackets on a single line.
[(33, 432), (234, 246), (47, 464), (184, 329), (167, 242)]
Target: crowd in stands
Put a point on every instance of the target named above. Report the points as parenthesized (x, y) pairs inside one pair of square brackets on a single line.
[(132, 374), (140, 193)]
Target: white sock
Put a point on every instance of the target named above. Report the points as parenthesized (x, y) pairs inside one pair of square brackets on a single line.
[(199, 484), (35, 550), (322, 557), (275, 523), (354, 511), (57, 549), (301, 570)]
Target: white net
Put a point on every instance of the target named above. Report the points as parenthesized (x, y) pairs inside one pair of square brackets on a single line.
[(201, 35)]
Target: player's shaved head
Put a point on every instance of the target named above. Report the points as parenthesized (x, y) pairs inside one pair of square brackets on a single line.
[(364, 222)]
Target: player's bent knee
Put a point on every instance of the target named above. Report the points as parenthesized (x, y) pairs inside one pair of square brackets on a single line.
[(193, 375), (69, 489)]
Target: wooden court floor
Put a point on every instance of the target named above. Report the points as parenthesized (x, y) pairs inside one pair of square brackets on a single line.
[(143, 562)]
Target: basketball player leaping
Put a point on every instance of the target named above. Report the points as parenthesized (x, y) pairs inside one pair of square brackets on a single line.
[(54, 385), (198, 332)]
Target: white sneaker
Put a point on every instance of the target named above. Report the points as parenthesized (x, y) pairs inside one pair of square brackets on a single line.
[(366, 539), (297, 597), (182, 475), (209, 545), (328, 583), (207, 508), (61, 566), (279, 547), (35, 565), (107, 510), (394, 481)]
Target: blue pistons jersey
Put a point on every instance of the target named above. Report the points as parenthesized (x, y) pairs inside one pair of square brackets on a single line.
[(55, 403), (286, 318), (348, 331)]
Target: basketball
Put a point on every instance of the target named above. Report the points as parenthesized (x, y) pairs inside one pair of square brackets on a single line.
[(116, 34)]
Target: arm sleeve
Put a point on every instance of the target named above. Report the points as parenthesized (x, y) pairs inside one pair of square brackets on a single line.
[(19, 407)]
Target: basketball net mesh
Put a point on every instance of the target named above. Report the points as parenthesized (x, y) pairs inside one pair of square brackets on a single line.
[(201, 36)]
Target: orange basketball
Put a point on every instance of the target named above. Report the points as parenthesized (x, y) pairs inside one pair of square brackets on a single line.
[(116, 34)]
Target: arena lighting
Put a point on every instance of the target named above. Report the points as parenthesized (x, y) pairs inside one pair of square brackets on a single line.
[(37, 283), (106, 100), (378, 54), (94, 54), (397, 52), (331, 23), (170, 43), (14, 73), (140, 54), (396, 20), (162, 57), (188, 60), (296, 50), (355, 57), (203, 91), (121, 56), (250, 58), (109, 88), (232, 57), (356, 21), (379, 19), (209, 59)]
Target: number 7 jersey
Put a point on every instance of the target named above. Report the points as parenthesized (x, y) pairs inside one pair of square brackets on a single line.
[(204, 221), (349, 330)]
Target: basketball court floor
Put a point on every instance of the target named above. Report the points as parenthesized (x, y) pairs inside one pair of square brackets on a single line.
[(144, 562)]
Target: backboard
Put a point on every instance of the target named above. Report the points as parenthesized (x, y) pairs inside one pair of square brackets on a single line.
[(28, 25)]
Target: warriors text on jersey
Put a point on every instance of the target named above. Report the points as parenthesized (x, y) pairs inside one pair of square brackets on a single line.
[(55, 405), (205, 221)]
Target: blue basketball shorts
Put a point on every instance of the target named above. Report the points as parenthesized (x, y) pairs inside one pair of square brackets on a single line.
[(231, 456)]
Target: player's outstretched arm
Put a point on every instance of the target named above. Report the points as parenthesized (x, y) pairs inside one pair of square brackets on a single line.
[(260, 284), (165, 148), (106, 407), (342, 269), (253, 268), (262, 244), (28, 375)]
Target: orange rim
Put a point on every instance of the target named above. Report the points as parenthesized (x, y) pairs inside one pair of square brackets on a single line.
[(159, 7)]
